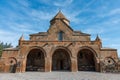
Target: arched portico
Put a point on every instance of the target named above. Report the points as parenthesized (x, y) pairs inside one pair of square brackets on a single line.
[(86, 59), (61, 60), (35, 60)]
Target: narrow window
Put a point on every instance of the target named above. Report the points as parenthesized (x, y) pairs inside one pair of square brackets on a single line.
[(60, 36)]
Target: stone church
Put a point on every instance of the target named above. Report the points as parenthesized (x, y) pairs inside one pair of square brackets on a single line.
[(60, 48)]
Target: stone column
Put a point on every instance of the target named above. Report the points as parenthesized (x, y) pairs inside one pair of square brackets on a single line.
[(97, 65), (74, 67), (23, 65), (47, 64), (6, 68)]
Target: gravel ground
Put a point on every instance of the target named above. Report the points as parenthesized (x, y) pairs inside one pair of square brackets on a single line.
[(59, 76)]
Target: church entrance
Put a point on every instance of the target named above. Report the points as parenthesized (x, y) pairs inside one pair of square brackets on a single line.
[(61, 60), (35, 60), (86, 60)]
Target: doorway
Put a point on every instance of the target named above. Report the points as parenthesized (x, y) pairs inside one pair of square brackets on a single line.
[(61, 60), (35, 60), (86, 60)]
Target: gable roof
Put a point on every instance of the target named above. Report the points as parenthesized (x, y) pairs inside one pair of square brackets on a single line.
[(59, 15)]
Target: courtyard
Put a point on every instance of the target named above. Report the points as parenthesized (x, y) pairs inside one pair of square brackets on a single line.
[(59, 76)]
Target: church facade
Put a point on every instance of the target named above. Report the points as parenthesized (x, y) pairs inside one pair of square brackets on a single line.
[(60, 48)]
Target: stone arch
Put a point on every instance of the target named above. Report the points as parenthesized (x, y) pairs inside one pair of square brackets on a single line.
[(61, 59), (36, 47), (89, 48), (86, 59), (12, 61), (61, 47), (35, 59)]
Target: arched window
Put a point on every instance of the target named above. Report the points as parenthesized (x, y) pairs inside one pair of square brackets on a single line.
[(60, 36)]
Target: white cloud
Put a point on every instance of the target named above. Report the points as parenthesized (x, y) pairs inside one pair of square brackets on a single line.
[(58, 3), (94, 30), (6, 33), (89, 4), (9, 37), (72, 16), (115, 11), (110, 13), (23, 3), (41, 15), (62, 3)]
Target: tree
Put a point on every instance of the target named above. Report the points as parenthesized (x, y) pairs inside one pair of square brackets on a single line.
[(3, 46)]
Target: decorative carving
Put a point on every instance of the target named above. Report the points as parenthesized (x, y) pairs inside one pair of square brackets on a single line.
[(69, 44), (45, 44), (108, 65)]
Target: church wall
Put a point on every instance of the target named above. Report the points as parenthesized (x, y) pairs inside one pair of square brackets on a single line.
[(80, 38), (38, 38), (109, 53), (7, 56), (9, 53), (75, 46), (65, 38)]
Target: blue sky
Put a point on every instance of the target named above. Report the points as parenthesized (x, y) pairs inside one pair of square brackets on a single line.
[(101, 17)]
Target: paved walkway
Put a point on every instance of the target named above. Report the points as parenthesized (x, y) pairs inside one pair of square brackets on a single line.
[(59, 76)]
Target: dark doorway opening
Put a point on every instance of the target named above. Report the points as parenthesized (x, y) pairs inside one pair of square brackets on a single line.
[(35, 61), (86, 60), (61, 61), (61, 64)]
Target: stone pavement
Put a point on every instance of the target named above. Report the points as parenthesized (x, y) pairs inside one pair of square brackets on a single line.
[(59, 76)]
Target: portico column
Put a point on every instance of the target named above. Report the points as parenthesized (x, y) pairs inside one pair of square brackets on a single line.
[(74, 64), (97, 65), (47, 64), (23, 65)]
